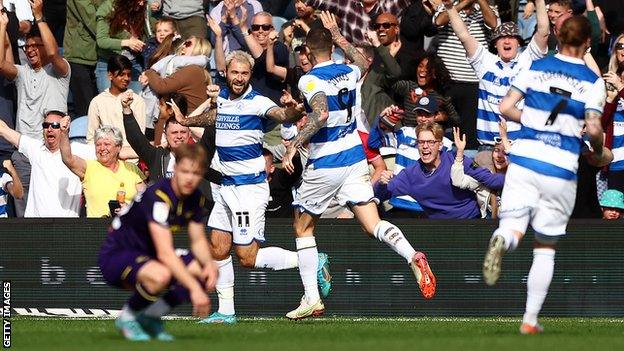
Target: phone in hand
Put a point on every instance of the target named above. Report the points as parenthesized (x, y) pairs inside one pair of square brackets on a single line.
[(113, 206)]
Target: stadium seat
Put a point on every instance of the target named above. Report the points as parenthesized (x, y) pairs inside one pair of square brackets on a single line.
[(278, 22), (78, 128)]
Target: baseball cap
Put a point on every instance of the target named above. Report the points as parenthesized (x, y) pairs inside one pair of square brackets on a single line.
[(612, 198), (427, 104)]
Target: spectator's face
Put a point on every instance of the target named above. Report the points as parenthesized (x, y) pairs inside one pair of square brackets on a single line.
[(187, 47), (260, 29), (303, 11), (106, 151), (33, 49), (386, 26), (507, 48), (237, 76), (428, 147), (176, 134), (619, 51), (555, 11), (304, 62), (120, 79), (499, 158), (162, 30), (611, 213), (424, 116), (423, 75), (51, 134), (186, 176)]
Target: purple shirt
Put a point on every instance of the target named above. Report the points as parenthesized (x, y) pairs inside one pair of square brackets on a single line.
[(159, 204), (435, 192)]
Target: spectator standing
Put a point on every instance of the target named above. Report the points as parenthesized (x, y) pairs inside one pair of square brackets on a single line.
[(479, 17), (54, 190), (356, 16), (414, 26), (496, 73), (231, 35), (189, 14), (122, 28), (80, 51), (104, 178), (105, 108), (42, 85)]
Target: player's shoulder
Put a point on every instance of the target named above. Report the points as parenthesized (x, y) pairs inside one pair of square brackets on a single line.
[(559, 64)]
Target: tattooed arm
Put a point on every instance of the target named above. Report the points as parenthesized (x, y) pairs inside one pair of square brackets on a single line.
[(358, 59), (291, 112), (316, 120), (204, 119)]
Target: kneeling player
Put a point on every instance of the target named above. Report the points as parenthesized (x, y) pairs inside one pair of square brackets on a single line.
[(139, 254)]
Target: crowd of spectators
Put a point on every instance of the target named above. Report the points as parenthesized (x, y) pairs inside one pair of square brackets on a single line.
[(88, 91)]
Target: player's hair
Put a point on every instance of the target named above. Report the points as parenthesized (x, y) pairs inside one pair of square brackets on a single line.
[(562, 3), (433, 127), (109, 131), (241, 57), (319, 41), (575, 31), (194, 152), (614, 65), (169, 20), (118, 63)]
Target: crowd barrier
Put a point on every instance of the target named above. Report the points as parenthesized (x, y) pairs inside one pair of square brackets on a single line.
[(52, 267)]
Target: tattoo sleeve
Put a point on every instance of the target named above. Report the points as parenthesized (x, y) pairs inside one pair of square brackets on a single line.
[(594, 130), (284, 114), (204, 119), (350, 51), (316, 119)]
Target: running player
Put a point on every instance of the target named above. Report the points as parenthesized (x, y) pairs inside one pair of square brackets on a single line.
[(561, 95), (337, 166), (139, 255), (241, 115)]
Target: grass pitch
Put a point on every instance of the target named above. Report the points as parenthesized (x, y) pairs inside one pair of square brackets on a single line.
[(381, 334)]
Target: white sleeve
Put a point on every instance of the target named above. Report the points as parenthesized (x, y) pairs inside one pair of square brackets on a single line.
[(28, 146), (309, 85), (596, 96), (534, 51), (460, 179), (481, 60), (264, 104), (358, 72), (23, 12), (523, 81)]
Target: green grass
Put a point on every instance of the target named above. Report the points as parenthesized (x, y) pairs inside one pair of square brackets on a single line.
[(490, 334)]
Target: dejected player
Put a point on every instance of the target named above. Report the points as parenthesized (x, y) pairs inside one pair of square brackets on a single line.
[(561, 94), (139, 254)]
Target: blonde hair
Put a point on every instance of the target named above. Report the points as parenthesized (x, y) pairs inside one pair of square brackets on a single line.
[(241, 57), (433, 127), (202, 46), (614, 65)]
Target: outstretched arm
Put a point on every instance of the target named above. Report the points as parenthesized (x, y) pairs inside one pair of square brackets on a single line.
[(207, 117), (459, 27), (543, 25), (508, 105), (358, 59), (291, 112), (61, 67), (7, 68), (75, 164)]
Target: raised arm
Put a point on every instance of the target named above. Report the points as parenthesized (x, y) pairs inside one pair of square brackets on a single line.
[(358, 59), (218, 51), (459, 27), (252, 44), (490, 18), (203, 119), (543, 25), (75, 164), (508, 105), (137, 140), (278, 71), (15, 188), (7, 68), (9, 134), (60, 65), (291, 112), (442, 18)]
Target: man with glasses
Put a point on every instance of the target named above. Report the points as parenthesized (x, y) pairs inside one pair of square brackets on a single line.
[(54, 190), (429, 180), (42, 84)]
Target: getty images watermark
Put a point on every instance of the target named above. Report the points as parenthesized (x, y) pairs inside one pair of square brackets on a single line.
[(6, 314)]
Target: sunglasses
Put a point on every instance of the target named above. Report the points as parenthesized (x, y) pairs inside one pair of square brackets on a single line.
[(188, 44), (54, 125), (265, 27), (384, 25), (619, 46)]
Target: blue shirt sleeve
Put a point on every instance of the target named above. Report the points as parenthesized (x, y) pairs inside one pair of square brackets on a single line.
[(375, 137), (494, 181)]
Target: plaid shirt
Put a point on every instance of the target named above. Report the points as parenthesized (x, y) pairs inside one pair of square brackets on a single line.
[(352, 18)]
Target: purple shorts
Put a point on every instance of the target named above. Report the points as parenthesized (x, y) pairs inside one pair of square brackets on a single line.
[(120, 266)]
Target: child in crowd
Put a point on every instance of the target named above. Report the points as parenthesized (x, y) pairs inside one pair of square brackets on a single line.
[(612, 203)]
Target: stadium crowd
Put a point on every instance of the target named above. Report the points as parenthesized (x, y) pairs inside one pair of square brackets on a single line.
[(129, 72)]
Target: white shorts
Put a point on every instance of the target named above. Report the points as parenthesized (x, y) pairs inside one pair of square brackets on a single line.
[(348, 185), (239, 209), (544, 201)]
